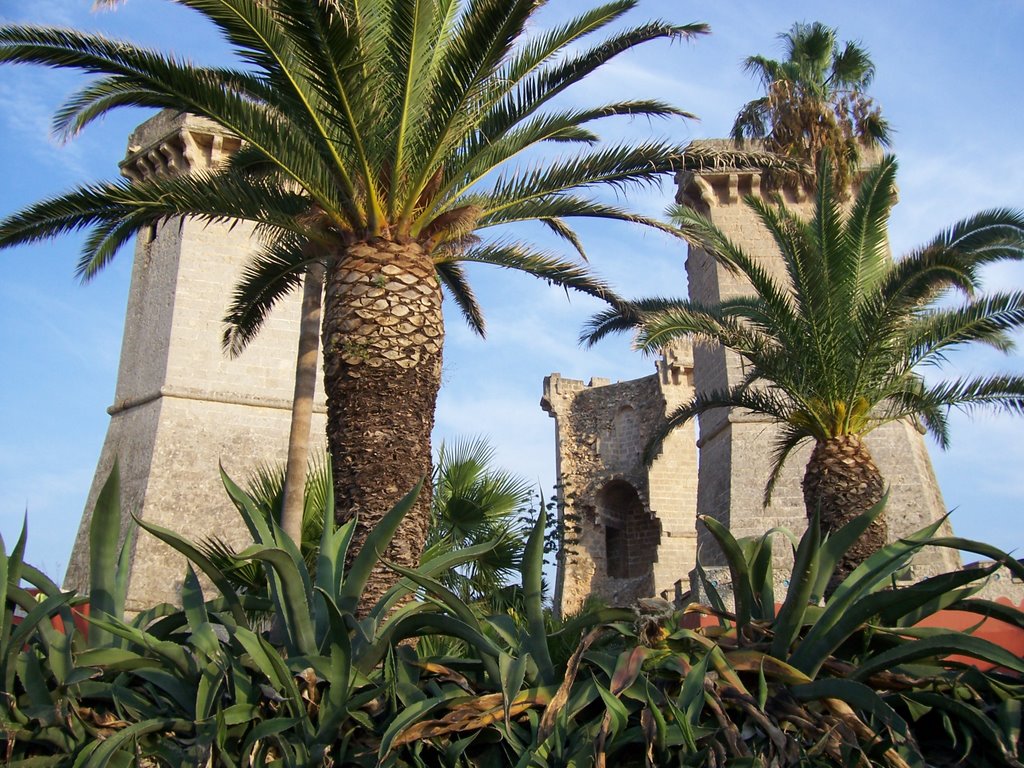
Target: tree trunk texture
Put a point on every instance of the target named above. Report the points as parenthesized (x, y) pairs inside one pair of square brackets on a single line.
[(842, 482), (383, 334), (302, 404)]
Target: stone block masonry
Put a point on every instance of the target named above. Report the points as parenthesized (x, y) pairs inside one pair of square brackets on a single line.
[(181, 407), (629, 527)]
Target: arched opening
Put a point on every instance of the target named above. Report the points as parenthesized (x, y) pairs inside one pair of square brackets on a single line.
[(631, 535)]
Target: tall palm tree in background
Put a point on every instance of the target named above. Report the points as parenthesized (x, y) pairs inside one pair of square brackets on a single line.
[(377, 140), (815, 99), (835, 348)]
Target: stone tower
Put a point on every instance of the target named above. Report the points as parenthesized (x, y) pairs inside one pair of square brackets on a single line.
[(181, 406), (735, 447), (634, 533)]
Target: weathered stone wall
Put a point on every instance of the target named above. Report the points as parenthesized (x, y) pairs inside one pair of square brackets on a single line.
[(181, 406), (634, 525)]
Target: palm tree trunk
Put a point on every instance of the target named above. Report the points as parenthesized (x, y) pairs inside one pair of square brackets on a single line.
[(383, 333), (842, 482), (302, 404)]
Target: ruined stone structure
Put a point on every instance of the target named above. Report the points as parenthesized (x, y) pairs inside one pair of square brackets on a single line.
[(734, 448), (181, 406), (634, 529)]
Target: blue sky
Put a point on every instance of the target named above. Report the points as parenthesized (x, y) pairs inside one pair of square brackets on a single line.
[(949, 78)]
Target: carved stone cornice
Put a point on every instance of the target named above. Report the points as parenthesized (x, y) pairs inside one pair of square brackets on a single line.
[(173, 143)]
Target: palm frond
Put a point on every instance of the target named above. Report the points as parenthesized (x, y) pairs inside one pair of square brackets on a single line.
[(788, 438), (624, 316), (453, 278), (988, 320), (272, 273), (517, 256), (763, 401)]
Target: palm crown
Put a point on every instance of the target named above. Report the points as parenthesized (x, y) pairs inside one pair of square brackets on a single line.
[(815, 99), (835, 347)]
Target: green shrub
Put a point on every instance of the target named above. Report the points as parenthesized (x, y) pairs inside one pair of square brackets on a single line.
[(849, 680)]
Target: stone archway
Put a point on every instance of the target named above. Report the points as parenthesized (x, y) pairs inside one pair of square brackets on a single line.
[(631, 534)]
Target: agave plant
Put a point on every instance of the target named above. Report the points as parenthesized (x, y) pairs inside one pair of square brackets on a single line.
[(200, 684), (848, 681)]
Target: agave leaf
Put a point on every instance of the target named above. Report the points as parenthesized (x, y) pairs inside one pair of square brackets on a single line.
[(192, 600), (104, 535), (616, 715), (266, 730), (334, 704), (11, 571), (739, 571), (268, 662), (330, 564), (691, 695), (35, 577), (171, 652), (292, 600), (879, 567), (7, 611), (943, 645), (512, 674), (533, 594), (912, 604), (190, 551), (413, 624), (59, 657), (30, 674), (374, 546), (431, 567), (836, 545), (988, 608), (962, 712), (889, 605), (857, 695), (1016, 567), (410, 715), (806, 564), (37, 619), (715, 600), (127, 737), (627, 669), (115, 659), (574, 627), (1009, 715), (762, 578), (251, 515), (748, 660)]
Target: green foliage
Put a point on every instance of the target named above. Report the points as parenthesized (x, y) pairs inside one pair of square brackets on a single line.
[(815, 99), (850, 680), (474, 503)]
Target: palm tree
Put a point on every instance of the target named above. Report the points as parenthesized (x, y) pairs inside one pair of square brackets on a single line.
[(377, 140), (815, 99), (474, 503), (835, 347)]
